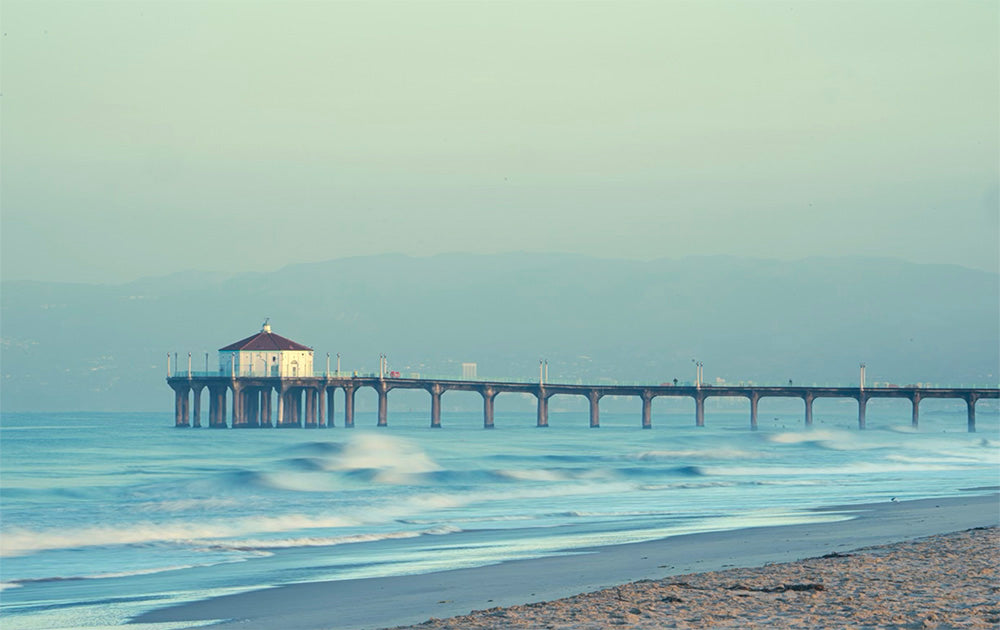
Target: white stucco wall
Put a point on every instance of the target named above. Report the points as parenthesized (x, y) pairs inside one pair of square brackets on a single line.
[(281, 363)]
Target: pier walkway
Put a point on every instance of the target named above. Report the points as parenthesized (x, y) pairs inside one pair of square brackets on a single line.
[(309, 401)]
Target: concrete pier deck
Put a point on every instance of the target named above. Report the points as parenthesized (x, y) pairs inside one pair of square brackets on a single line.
[(308, 401)]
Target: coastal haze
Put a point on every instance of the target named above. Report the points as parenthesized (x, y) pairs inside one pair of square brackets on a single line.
[(770, 192), (103, 347), (146, 138)]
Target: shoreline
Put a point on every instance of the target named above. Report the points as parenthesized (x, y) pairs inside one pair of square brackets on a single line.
[(941, 581), (371, 603)]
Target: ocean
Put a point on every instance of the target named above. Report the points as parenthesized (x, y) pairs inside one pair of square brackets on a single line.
[(106, 515)]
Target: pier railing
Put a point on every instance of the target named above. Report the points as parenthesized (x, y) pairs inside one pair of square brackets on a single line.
[(595, 382)]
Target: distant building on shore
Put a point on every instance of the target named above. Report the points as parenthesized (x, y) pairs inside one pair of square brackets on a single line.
[(468, 370), (266, 354)]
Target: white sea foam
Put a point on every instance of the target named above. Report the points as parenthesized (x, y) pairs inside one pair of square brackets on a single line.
[(798, 437), (20, 541), (118, 574), (186, 505), (538, 474), (381, 452), (257, 544), (852, 469), (709, 453), (935, 459)]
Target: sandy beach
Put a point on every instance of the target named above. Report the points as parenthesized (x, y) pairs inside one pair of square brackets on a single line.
[(944, 581), (634, 585)]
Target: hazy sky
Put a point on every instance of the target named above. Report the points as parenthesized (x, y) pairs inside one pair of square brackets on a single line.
[(142, 138)]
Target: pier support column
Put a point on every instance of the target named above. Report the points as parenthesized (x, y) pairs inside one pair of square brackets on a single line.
[(279, 418), (196, 413), (181, 406), (862, 404), (223, 412), (808, 399), (217, 406), (265, 407), (290, 406), (213, 411), (296, 399), (647, 410), (595, 408), (239, 404), (243, 407), (699, 410), (320, 406), (237, 413), (488, 396), (252, 401), (310, 408), (383, 406), (313, 395), (754, 398), (213, 407), (349, 406), (916, 410), (330, 391), (543, 409), (970, 402), (436, 406)]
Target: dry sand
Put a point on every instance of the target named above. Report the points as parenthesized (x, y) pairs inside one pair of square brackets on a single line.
[(945, 581), (908, 590)]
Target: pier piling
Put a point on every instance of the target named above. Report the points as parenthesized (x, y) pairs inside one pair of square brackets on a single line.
[(435, 406), (595, 410), (647, 410), (488, 396), (349, 407), (309, 400), (543, 409)]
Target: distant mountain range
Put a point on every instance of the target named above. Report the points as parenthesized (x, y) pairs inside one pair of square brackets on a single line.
[(103, 347)]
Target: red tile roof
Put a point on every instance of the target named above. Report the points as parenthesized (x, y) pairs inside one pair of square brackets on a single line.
[(267, 341)]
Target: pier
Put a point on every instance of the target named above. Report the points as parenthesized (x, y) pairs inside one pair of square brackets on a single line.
[(270, 382), (298, 401)]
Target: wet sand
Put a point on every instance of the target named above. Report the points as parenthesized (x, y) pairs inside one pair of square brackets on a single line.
[(397, 601)]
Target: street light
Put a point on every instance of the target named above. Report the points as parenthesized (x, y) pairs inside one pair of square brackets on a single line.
[(862, 366)]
